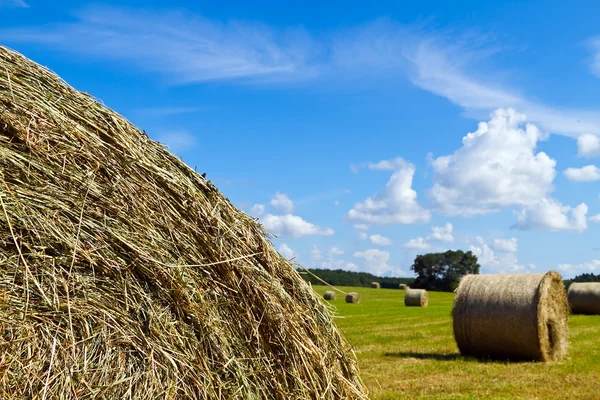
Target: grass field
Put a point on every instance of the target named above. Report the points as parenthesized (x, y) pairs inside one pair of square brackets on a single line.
[(409, 352)]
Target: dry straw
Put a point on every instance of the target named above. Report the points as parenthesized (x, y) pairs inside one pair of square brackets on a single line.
[(329, 295), (352, 297), (124, 274), (520, 316), (375, 285), (584, 297), (416, 298)]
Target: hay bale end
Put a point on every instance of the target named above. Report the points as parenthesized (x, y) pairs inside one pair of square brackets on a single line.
[(353, 298), (416, 298), (584, 298), (375, 285), (329, 295)]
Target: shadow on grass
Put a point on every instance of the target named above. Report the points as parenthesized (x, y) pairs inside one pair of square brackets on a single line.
[(425, 356)]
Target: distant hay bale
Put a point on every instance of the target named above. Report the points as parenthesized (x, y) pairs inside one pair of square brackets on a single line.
[(329, 295), (520, 316), (416, 298), (375, 285), (124, 274), (352, 297), (584, 297), (402, 286)]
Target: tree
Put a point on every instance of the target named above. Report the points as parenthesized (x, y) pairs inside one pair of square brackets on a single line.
[(443, 271)]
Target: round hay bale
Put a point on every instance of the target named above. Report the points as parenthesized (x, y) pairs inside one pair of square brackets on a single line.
[(584, 297), (375, 285), (416, 298), (329, 295), (124, 274), (520, 316), (352, 297), (402, 286)]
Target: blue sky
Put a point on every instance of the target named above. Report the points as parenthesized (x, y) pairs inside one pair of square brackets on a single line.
[(360, 134)]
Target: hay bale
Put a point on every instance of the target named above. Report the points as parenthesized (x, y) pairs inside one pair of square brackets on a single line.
[(584, 297), (512, 316), (329, 295), (416, 298), (375, 285), (352, 297), (402, 286), (125, 274)]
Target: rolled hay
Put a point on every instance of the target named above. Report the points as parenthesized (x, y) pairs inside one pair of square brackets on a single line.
[(375, 285), (584, 297), (329, 295), (416, 298), (402, 286), (521, 317), (352, 297), (125, 274)]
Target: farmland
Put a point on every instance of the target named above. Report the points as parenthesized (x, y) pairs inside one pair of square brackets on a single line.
[(409, 352)]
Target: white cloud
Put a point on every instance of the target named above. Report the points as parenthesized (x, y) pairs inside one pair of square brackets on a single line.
[(380, 240), (508, 245), (595, 45), (315, 254), (335, 251), (257, 210), (361, 227), (595, 219), (330, 262), (293, 226), (492, 263), (588, 145), (336, 203), (442, 233), (496, 167), (362, 235), (551, 215), (395, 204), (576, 269), (418, 243), (177, 142), (584, 174), (282, 202), (375, 262), (13, 4), (286, 252), (450, 70)]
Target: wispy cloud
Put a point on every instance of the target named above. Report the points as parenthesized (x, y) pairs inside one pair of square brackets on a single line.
[(13, 4), (177, 141), (595, 46)]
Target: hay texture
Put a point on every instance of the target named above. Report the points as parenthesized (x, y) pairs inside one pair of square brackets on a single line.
[(329, 295), (584, 297), (416, 298), (352, 297), (375, 285), (512, 316), (124, 274), (402, 286)]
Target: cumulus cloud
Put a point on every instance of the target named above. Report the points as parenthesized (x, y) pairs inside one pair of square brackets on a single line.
[(330, 261), (289, 225), (257, 210), (395, 204), (492, 263), (576, 269), (286, 252), (335, 251), (418, 243), (380, 240), (496, 167), (595, 219), (362, 235), (588, 145), (551, 215), (375, 261), (584, 174), (442, 233), (508, 245), (281, 202)]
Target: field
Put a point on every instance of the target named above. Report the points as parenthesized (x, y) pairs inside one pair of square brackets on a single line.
[(409, 352)]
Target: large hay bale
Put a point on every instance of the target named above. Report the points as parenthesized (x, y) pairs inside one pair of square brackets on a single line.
[(416, 298), (125, 274), (353, 297), (512, 316), (329, 295), (584, 297), (375, 285), (402, 286)]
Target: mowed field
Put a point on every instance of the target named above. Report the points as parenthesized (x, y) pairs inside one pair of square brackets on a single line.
[(409, 352)]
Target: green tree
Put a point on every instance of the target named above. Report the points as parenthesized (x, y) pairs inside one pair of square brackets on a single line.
[(442, 271)]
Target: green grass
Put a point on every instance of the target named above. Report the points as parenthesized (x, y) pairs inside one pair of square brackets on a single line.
[(409, 352)]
